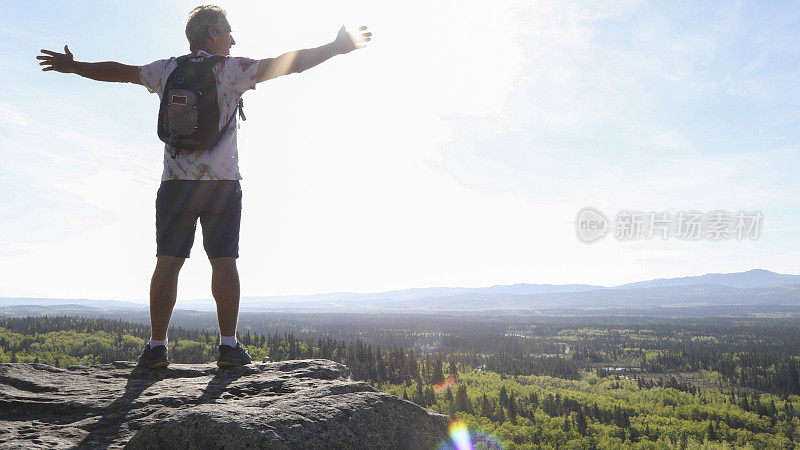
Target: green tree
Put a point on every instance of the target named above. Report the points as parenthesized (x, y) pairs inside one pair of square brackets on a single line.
[(711, 434), (438, 374), (503, 396), (633, 434), (463, 402), (430, 396), (452, 370), (512, 409), (486, 407), (581, 425), (419, 395)]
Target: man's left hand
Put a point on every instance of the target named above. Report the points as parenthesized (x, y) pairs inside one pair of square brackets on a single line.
[(347, 41)]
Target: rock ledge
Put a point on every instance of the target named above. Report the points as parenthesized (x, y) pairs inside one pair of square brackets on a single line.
[(287, 404)]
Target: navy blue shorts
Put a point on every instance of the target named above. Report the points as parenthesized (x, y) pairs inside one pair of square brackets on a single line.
[(218, 205)]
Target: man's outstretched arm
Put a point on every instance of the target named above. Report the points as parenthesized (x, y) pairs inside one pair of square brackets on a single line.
[(300, 60), (100, 71)]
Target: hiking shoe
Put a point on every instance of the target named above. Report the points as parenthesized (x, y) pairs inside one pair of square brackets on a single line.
[(153, 358), (230, 356)]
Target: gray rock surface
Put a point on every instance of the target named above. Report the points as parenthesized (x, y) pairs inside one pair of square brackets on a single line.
[(287, 404)]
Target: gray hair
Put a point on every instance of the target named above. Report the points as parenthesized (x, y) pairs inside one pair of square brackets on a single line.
[(200, 20)]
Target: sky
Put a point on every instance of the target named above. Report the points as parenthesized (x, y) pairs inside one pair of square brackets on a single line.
[(457, 149)]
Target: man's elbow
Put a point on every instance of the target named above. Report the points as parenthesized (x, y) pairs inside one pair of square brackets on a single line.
[(276, 67), (130, 74)]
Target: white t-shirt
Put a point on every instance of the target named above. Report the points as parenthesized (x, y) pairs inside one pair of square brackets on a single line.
[(235, 76)]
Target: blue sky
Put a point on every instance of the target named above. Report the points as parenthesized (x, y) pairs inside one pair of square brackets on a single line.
[(456, 150)]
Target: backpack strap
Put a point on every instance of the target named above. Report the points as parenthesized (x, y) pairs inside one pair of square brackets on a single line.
[(239, 107), (181, 60), (214, 59)]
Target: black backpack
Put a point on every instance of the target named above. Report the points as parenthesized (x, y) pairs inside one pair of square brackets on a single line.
[(188, 119)]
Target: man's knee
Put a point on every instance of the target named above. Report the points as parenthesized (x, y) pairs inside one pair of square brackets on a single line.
[(226, 263), (169, 264)]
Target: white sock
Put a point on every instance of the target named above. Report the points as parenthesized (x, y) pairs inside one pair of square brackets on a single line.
[(154, 343), (230, 341)]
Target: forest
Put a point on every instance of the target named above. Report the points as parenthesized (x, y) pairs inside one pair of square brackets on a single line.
[(515, 381)]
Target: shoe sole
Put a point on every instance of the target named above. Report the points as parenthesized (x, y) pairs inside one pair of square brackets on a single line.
[(158, 365), (230, 364), (225, 364)]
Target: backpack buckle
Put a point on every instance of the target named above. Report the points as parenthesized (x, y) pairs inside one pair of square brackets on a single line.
[(173, 152)]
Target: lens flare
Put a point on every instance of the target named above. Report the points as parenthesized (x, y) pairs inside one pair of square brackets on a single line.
[(459, 435), (488, 441), (439, 388), (462, 439)]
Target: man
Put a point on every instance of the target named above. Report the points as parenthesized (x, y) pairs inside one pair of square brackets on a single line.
[(203, 184)]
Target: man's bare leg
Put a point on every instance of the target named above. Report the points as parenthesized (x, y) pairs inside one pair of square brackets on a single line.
[(225, 288), (163, 292)]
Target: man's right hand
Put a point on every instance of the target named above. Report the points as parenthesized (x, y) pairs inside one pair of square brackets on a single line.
[(100, 71), (60, 62)]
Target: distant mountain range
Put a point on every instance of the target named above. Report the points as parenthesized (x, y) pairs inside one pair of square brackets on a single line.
[(754, 287), (111, 304), (756, 278)]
